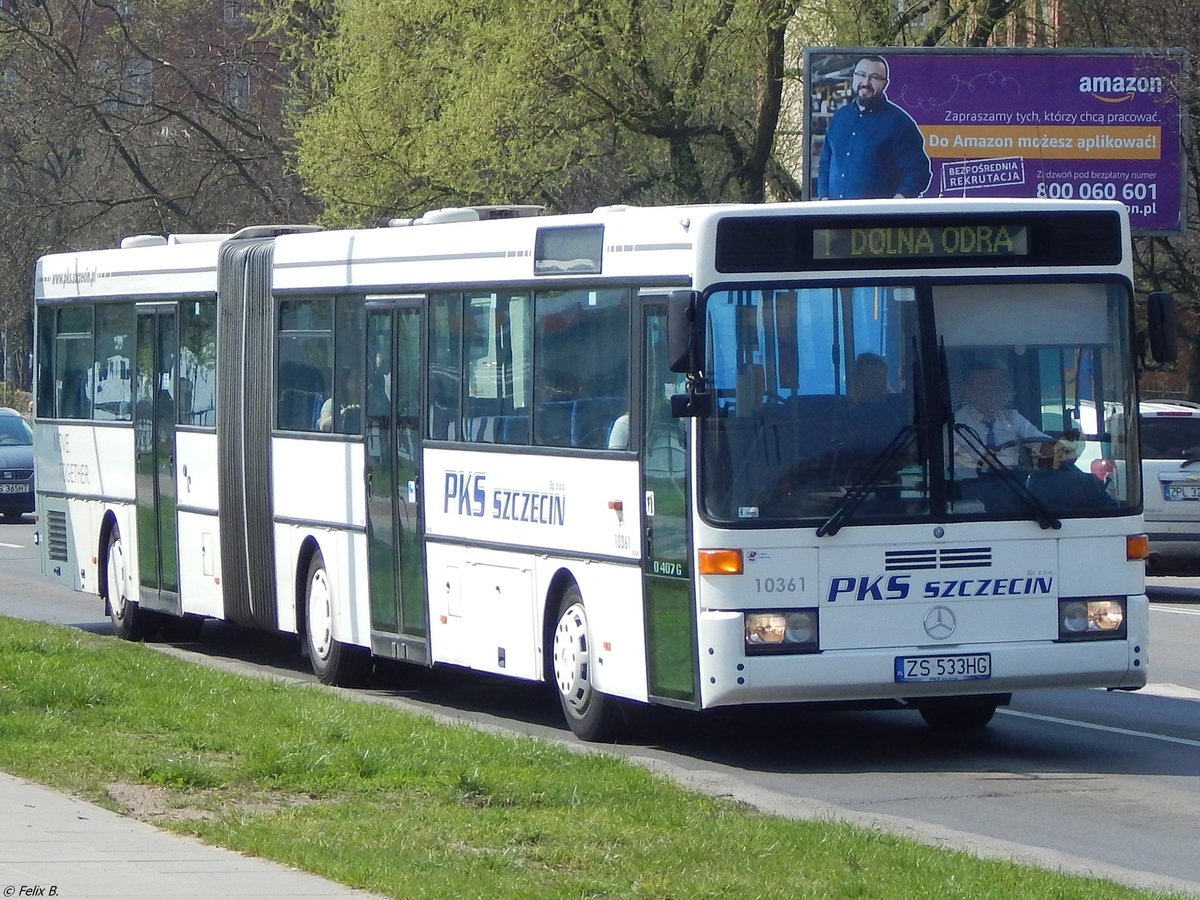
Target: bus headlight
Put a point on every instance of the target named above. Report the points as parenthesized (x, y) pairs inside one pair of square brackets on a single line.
[(1081, 619), (781, 631)]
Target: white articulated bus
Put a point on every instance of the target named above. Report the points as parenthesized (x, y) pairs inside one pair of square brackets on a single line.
[(695, 456)]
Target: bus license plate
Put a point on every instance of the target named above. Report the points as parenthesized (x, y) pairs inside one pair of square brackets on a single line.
[(14, 489), (959, 667), (1182, 491)]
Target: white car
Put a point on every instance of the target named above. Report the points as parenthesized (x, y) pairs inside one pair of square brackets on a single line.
[(1170, 444)]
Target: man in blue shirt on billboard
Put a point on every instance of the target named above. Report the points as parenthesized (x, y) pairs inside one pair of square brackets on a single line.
[(873, 148)]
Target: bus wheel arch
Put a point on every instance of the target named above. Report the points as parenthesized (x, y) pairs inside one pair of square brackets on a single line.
[(308, 549), (107, 527), (558, 586), (332, 661), (591, 714)]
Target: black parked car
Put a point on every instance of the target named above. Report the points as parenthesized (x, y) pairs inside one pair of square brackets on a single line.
[(16, 464)]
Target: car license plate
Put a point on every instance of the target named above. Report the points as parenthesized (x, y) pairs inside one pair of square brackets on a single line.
[(14, 489), (957, 667), (1181, 491)]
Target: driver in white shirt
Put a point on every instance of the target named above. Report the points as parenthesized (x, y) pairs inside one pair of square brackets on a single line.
[(988, 411)]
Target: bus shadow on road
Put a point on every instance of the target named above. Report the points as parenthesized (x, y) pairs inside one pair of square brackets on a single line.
[(798, 740)]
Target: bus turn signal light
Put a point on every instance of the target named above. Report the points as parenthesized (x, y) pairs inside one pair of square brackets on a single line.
[(1137, 546), (720, 562)]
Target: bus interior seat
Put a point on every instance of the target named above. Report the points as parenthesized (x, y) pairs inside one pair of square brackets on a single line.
[(554, 423), (592, 419), (582, 423), (511, 429), (296, 409), (443, 422), (480, 418), (481, 429)]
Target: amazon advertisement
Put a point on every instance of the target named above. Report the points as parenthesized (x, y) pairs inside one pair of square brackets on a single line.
[(1065, 124)]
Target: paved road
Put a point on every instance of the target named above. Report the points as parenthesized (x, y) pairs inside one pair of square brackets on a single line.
[(1088, 781)]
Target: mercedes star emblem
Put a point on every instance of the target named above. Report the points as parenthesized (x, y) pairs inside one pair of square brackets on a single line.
[(939, 623)]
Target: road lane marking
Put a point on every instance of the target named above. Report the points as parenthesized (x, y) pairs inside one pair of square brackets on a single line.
[(1109, 729), (1156, 607)]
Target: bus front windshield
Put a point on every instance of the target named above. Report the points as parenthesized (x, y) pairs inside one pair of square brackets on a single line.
[(885, 403)]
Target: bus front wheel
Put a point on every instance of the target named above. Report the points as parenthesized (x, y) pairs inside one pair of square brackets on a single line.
[(964, 715), (591, 714), (130, 622), (333, 662)]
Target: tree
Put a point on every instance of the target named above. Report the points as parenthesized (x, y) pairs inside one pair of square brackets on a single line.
[(1170, 263), (925, 23), (407, 104), (123, 118), (147, 103)]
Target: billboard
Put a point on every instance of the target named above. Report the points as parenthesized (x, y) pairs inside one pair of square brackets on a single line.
[(1082, 124)]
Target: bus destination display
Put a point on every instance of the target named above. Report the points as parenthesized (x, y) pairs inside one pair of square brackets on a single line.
[(954, 240)]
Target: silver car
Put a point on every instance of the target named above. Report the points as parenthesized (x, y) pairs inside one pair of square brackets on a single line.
[(1170, 433)]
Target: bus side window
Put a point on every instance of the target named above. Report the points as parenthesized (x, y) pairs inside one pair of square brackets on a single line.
[(498, 342), (445, 367), (73, 361), (305, 373), (582, 366)]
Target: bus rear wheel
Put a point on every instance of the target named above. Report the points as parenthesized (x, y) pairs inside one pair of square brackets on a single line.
[(590, 714), (333, 662), (130, 622)]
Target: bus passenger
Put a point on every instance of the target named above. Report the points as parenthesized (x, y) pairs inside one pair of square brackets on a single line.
[(867, 380), (618, 434), (349, 412), (870, 419)]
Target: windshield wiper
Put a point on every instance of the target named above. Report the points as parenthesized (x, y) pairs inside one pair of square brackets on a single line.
[(856, 494), (975, 443), (947, 413)]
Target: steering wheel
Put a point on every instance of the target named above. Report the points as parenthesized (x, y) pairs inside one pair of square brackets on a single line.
[(1051, 453)]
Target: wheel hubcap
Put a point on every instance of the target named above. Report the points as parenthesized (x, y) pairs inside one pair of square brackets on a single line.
[(572, 659), (118, 599), (320, 615)]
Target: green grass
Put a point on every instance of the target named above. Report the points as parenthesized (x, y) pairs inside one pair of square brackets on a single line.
[(400, 805)]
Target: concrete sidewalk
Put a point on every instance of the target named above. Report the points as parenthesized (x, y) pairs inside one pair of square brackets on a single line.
[(52, 845)]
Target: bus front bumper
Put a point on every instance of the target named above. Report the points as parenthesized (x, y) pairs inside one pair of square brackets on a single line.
[(728, 676)]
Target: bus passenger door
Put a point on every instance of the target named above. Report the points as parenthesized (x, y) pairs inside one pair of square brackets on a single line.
[(154, 458), (670, 617), (394, 413)]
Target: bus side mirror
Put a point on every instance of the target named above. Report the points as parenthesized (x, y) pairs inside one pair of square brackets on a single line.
[(681, 331), (1160, 326), (683, 339)]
